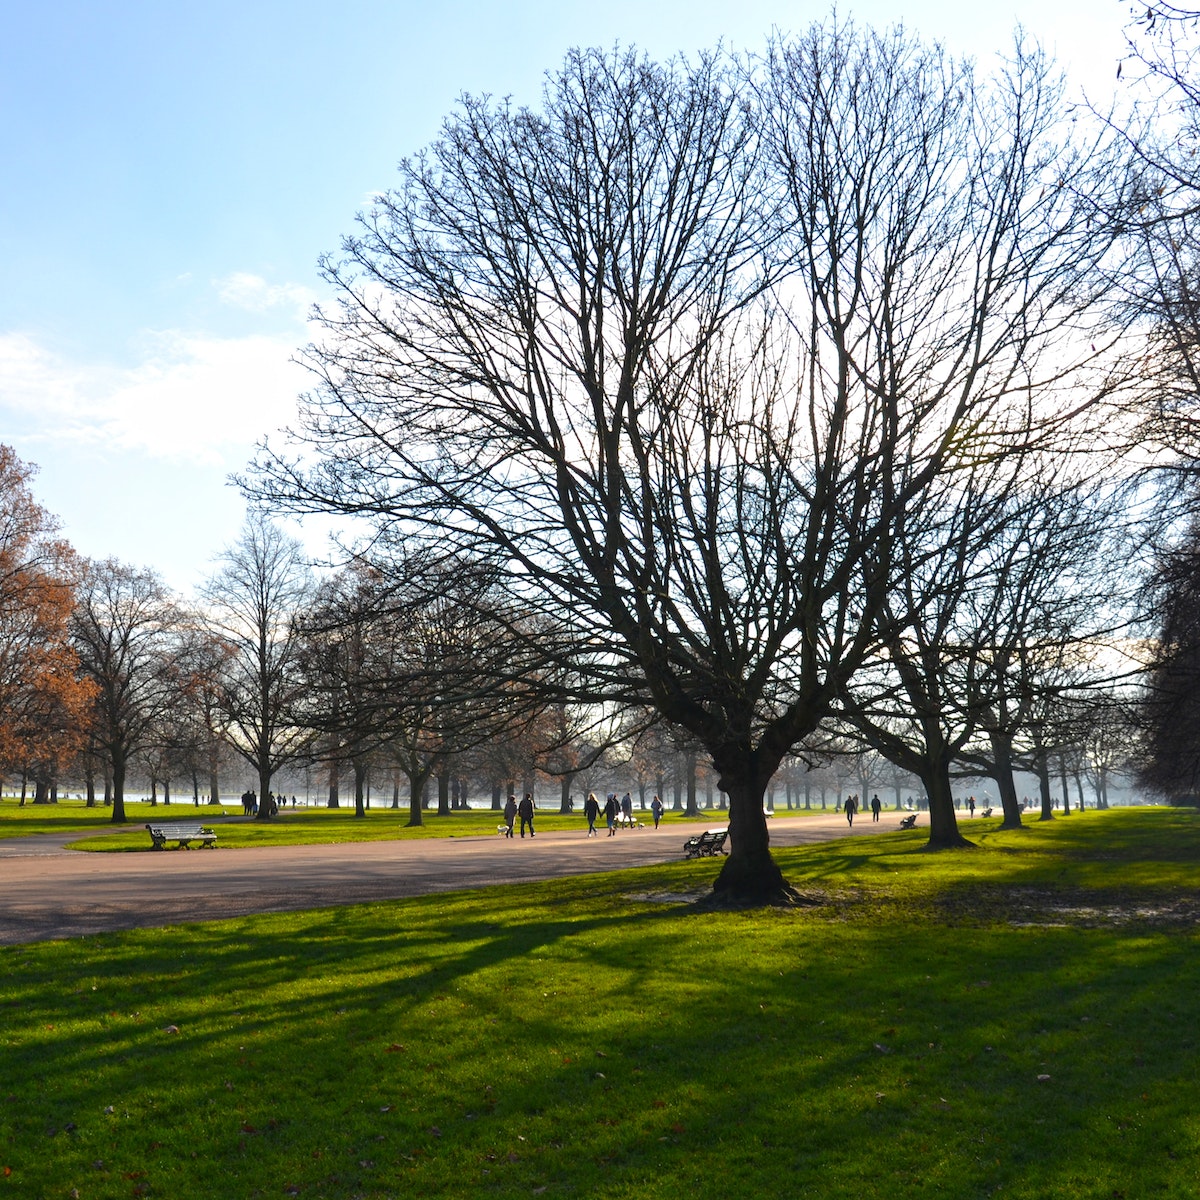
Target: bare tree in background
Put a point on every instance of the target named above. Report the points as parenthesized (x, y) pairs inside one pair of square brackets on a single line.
[(679, 347), (125, 628), (251, 606)]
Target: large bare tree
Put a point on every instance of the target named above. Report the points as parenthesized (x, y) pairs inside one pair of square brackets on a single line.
[(680, 346)]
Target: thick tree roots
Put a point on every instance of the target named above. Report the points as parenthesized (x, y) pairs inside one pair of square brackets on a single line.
[(729, 900), (954, 842)]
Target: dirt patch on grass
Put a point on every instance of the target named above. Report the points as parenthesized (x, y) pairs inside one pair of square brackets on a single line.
[(1048, 906)]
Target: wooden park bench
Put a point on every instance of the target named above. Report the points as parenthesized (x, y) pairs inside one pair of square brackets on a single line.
[(909, 821), (183, 833), (706, 844)]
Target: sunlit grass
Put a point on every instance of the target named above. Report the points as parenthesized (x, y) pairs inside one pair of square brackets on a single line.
[(580, 1038), (292, 826)]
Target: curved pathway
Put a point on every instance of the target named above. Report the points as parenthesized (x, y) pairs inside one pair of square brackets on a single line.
[(50, 891)]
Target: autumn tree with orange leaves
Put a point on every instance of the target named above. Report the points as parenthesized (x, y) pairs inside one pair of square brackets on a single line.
[(44, 704)]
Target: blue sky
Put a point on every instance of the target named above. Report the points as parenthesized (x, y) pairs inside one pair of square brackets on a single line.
[(172, 173)]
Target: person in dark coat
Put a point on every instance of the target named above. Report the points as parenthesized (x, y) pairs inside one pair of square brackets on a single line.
[(525, 812), (876, 807), (591, 810), (510, 815), (611, 808)]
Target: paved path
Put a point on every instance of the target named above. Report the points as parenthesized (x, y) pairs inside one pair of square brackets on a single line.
[(50, 891)]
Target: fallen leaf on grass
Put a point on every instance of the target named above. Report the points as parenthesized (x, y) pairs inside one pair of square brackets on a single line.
[(1043, 1078), (394, 1048), (171, 1029)]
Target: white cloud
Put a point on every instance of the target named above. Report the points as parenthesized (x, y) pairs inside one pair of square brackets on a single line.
[(254, 294), (191, 398)]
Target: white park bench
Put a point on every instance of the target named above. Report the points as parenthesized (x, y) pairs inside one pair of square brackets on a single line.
[(182, 833)]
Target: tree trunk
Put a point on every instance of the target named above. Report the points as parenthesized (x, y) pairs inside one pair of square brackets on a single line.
[(497, 803), (943, 825), (1062, 775), (564, 796), (749, 875), (1041, 768), (416, 791), (360, 780), (166, 791), (443, 780), (118, 788), (690, 769), (1002, 759), (89, 779), (264, 790), (334, 798), (396, 787)]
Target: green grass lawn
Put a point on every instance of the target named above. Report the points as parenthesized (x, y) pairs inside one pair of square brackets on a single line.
[(1017, 1020), (299, 826)]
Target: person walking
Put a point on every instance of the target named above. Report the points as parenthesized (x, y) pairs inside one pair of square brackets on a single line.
[(627, 809), (610, 812), (656, 807), (525, 812), (510, 815), (850, 808), (876, 807), (591, 810)]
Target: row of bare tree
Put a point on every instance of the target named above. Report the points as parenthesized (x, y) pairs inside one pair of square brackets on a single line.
[(770, 401)]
